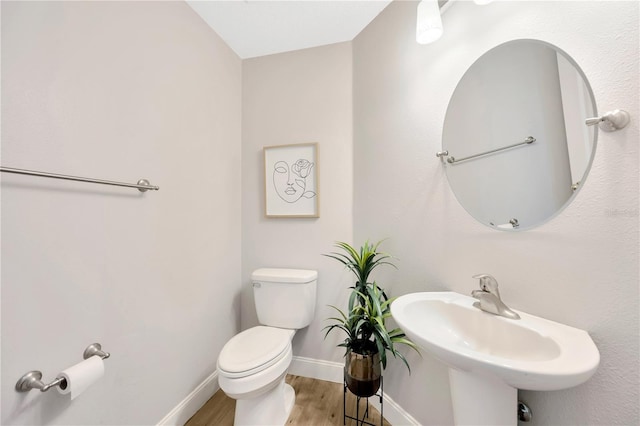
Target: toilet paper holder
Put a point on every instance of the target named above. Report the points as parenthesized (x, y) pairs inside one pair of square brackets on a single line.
[(33, 379)]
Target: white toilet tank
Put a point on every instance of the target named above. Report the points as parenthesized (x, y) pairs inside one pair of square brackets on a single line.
[(285, 298)]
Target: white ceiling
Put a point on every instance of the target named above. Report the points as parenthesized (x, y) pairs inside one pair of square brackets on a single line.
[(263, 27)]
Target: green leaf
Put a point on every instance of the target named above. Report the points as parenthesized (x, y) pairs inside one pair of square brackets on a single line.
[(399, 355), (382, 352), (368, 304)]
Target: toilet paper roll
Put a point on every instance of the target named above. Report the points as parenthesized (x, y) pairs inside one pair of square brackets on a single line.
[(80, 376)]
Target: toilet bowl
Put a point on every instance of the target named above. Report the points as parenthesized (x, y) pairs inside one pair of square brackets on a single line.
[(252, 365), (251, 369)]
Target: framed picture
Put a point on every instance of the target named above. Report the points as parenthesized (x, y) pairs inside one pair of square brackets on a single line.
[(291, 180)]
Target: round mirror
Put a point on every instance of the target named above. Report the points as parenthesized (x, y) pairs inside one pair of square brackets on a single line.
[(517, 146)]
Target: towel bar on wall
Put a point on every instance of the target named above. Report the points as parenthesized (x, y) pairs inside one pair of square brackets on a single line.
[(142, 185)]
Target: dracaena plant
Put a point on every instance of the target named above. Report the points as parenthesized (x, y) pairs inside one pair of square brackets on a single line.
[(364, 323), (361, 262)]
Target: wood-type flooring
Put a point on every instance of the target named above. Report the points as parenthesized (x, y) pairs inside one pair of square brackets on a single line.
[(318, 403)]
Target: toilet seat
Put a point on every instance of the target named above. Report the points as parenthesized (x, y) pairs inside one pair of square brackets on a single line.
[(254, 350)]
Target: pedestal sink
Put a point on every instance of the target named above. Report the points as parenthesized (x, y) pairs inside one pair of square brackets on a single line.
[(490, 357)]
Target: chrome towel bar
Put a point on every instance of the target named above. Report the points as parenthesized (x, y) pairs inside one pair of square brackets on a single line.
[(33, 379), (143, 185), (452, 160)]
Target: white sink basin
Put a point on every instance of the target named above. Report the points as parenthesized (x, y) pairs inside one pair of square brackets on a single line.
[(530, 353)]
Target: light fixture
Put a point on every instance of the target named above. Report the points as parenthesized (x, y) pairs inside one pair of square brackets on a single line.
[(482, 2), (429, 25)]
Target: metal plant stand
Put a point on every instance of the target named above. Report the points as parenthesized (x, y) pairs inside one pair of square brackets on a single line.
[(365, 414)]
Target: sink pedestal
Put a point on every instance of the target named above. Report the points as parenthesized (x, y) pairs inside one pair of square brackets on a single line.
[(480, 400)]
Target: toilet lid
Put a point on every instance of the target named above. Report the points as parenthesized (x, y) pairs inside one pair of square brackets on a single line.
[(253, 348)]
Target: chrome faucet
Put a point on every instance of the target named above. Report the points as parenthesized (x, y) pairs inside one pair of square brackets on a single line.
[(489, 298)]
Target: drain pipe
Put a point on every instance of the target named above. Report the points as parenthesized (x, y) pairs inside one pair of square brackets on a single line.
[(524, 412)]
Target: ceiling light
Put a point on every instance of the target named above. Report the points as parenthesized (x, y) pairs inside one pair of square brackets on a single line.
[(429, 25)]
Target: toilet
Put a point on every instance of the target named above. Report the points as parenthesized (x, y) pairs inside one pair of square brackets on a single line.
[(252, 365)]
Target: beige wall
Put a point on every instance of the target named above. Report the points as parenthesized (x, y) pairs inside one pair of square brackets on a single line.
[(581, 268), (121, 91), (297, 97)]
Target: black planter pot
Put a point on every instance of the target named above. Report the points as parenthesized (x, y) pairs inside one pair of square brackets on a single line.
[(362, 369)]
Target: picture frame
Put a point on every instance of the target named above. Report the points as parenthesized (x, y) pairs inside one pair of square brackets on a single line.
[(291, 181)]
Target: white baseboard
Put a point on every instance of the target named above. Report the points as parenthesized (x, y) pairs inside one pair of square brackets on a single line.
[(317, 369), (192, 403), (300, 366), (333, 372), (394, 413)]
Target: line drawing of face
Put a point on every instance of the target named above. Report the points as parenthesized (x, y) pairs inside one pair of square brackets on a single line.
[(291, 182)]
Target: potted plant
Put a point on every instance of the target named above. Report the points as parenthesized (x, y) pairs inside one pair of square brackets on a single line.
[(368, 339)]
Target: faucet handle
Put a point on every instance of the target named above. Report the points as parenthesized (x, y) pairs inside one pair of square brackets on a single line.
[(488, 284)]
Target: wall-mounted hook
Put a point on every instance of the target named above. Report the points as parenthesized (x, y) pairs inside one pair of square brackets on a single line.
[(611, 121)]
